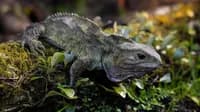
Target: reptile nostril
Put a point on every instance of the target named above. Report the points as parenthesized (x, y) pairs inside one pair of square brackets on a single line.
[(141, 56)]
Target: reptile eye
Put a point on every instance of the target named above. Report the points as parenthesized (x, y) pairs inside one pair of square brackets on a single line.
[(141, 56)]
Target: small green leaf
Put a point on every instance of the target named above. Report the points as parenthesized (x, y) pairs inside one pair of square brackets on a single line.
[(166, 78), (132, 95), (195, 99), (53, 93), (57, 58), (70, 93), (121, 90), (82, 81), (139, 83)]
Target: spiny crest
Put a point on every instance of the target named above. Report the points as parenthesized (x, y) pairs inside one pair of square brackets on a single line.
[(65, 14), (61, 14)]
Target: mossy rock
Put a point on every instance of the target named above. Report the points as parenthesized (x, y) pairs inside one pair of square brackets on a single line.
[(17, 69)]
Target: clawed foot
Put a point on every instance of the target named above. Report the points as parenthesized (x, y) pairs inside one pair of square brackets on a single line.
[(35, 46)]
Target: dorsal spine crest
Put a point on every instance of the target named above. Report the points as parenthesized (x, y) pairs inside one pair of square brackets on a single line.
[(65, 14), (61, 14)]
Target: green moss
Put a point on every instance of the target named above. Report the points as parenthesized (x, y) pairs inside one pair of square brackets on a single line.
[(14, 60)]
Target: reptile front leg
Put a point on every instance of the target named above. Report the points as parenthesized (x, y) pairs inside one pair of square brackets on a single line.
[(79, 66), (30, 37)]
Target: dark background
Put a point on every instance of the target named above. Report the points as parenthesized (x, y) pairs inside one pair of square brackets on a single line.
[(16, 15)]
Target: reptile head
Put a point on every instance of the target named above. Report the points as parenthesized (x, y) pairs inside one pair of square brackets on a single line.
[(130, 59)]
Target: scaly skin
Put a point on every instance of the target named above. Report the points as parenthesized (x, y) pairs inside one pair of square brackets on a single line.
[(90, 48)]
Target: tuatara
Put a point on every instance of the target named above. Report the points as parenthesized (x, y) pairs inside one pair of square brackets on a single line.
[(89, 48)]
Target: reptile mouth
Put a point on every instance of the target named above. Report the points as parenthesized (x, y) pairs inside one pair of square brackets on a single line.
[(118, 74), (148, 66), (115, 74)]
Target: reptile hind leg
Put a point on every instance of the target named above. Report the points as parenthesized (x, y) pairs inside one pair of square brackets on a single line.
[(79, 66), (30, 37)]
